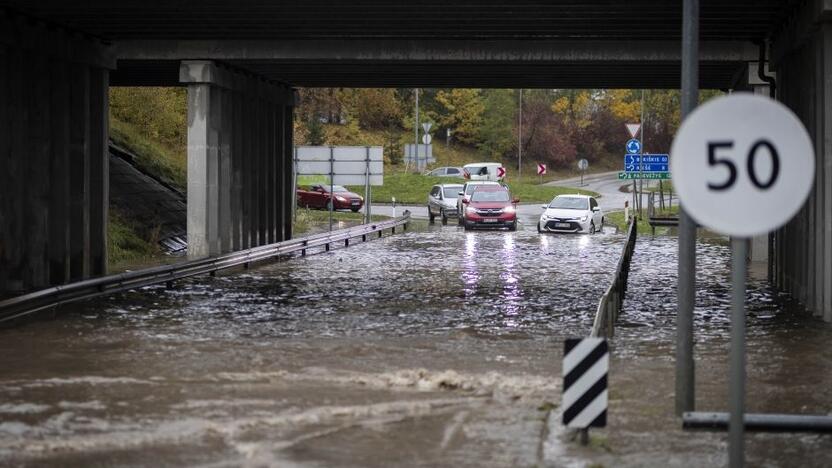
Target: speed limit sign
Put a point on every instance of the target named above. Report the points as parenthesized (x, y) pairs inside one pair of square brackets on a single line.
[(743, 164)]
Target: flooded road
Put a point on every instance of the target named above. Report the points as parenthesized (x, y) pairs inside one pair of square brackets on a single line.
[(435, 347)]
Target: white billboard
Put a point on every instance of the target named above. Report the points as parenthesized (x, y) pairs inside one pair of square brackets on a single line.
[(346, 165)]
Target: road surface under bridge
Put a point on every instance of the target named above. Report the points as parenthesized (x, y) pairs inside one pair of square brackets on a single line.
[(436, 347)]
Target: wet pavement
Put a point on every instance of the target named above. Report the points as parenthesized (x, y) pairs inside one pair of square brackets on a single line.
[(436, 347)]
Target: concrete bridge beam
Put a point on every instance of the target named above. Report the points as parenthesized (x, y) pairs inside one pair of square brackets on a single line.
[(236, 158), (53, 151)]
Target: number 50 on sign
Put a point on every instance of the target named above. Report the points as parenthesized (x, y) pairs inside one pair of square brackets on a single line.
[(744, 164)]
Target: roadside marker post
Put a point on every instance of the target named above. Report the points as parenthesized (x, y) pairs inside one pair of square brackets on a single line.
[(541, 169), (733, 181), (586, 363), (583, 165)]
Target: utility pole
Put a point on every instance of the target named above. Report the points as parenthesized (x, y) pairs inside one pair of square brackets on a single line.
[(641, 161), (520, 136), (416, 133)]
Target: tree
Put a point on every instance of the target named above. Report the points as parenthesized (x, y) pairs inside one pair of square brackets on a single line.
[(375, 108), (496, 133), (462, 111), (545, 136)]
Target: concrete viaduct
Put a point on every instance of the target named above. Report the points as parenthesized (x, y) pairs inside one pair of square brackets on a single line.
[(241, 59)]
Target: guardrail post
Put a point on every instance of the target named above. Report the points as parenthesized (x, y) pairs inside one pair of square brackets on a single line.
[(326, 246), (346, 242)]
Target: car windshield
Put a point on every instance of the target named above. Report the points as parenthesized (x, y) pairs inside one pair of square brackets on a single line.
[(335, 188), (451, 192), (570, 203), (470, 187), (490, 196)]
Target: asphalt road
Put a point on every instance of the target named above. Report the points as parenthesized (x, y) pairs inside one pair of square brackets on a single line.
[(606, 183)]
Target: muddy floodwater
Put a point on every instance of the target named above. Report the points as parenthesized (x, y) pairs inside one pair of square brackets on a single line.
[(436, 347)]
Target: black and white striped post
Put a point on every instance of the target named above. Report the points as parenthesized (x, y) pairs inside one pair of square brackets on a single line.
[(586, 363)]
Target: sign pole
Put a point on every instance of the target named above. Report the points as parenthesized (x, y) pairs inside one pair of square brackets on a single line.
[(331, 184), (367, 187), (736, 397), (416, 133), (686, 287)]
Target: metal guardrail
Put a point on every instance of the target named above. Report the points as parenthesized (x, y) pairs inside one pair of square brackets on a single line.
[(610, 304), (26, 304)]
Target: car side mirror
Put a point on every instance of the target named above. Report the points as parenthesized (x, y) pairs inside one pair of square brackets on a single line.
[(516, 201), (544, 206), (596, 209), (465, 201), (461, 193)]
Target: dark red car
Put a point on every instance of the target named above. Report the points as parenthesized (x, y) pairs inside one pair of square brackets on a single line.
[(318, 196), (490, 206)]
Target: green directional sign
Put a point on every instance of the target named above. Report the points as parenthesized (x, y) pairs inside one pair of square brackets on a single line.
[(643, 175)]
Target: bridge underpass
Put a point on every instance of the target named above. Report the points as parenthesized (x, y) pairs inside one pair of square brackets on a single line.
[(154, 51)]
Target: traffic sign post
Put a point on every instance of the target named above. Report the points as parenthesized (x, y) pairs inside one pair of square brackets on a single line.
[(734, 182), (541, 169), (583, 165)]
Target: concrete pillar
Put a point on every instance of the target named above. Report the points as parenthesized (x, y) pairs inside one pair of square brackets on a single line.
[(203, 197), (53, 154), (79, 159), (825, 174), (225, 182), (233, 150), (288, 164), (803, 258), (99, 169), (237, 168), (59, 201)]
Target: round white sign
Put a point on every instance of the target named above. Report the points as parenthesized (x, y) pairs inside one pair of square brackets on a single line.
[(426, 138), (583, 164), (742, 164)]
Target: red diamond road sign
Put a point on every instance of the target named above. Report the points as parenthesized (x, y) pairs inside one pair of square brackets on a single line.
[(541, 168), (501, 172)]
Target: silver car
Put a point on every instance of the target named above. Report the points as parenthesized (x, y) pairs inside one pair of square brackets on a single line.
[(446, 172), (442, 201)]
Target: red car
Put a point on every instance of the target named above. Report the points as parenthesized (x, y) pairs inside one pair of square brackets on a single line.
[(318, 196), (490, 206)]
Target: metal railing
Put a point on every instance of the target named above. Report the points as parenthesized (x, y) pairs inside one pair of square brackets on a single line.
[(26, 304), (610, 304)]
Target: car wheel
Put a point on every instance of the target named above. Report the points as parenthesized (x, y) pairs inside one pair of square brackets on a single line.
[(538, 228), (431, 216), (592, 227), (459, 220), (513, 226), (466, 226), (328, 206), (444, 217), (355, 210)]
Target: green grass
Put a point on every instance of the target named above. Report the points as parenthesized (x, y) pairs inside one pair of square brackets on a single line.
[(307, 220), (153, 157), (411, 189), (616, 218), (126, 246)]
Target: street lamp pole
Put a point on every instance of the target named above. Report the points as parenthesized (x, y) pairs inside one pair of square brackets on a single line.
[(520, 136)]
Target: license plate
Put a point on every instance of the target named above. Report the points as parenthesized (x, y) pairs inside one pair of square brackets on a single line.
[(490, 220), (562, 225), (356, 202)]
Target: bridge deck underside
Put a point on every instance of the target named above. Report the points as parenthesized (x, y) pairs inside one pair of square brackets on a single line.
[(641, 22)]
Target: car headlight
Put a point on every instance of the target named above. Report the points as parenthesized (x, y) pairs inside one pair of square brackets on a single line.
[(340, 198), (584, 218), (470, 209), (509, 209)]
